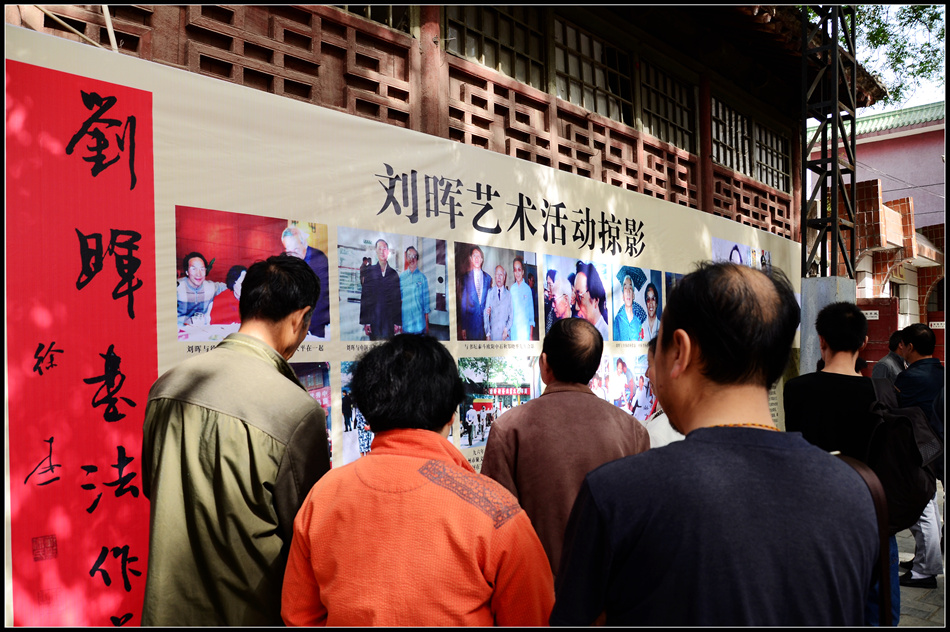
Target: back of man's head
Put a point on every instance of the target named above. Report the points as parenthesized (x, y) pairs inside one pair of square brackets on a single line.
[(843, 326), (921, 337), (742, 320), (411, 381), (274, 289), (573, 348), (894, 341)]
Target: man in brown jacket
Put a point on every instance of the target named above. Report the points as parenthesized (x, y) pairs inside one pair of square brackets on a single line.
[(542, 450)]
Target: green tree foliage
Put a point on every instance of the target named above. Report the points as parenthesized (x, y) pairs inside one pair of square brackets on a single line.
[(903, 44)]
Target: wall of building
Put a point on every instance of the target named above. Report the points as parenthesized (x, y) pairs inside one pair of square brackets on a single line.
[(332, 58), (907, 165)]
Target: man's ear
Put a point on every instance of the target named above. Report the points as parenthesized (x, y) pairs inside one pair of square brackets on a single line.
[(864, 344), (681, 350), (301, 318)]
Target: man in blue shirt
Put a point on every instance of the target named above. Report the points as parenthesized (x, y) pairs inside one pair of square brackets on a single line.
[(414, 287)]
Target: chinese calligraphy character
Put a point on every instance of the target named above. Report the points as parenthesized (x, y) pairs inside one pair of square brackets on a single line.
[(609, 234), (521, 215), (634, 237), (441, 192), (99, 143), (50, 355), (584, 230), (553, 214), (488, 194), (122, 245), (407, 184), (117, 552), (121, 483), (112, 379), (50, 467)]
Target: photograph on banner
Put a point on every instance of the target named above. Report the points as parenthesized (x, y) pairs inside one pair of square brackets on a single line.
[(579, 291), (637, 300), (357, 436), (215, 248), (622, 381), (391, 284), (493, 386), (724, 250), (496, 293), (315, 376)]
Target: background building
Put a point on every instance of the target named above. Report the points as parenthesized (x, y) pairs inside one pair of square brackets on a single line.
[(703, 112)]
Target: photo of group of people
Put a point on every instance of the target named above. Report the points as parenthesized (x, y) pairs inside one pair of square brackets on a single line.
[(391, 284), (493, 386), (623, 382), (491, 305), (215, 249)]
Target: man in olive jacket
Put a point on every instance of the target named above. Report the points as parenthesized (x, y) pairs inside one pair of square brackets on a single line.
[(232, 445)]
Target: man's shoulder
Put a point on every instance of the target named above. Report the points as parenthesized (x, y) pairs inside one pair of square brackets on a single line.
[(478, 491)]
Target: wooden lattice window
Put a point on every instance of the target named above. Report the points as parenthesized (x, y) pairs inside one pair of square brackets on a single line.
[(744, 145), (507, 39), (668, 106), (730, 138), (395, 17), (772, 159), (593, 74)]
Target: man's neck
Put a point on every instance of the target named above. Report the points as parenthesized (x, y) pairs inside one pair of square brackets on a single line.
[(721, 405), (841, 363), (269, 333)]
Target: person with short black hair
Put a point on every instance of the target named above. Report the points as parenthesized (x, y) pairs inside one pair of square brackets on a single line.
[(195, 292), (232, 441), (226, 307), (438, 544), (890, 366), (919, 385), (473, 297), (381, 297), (830, 408), (590, 296), (738, 524), (541, 450)]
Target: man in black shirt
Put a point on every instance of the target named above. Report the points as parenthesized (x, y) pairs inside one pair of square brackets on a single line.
[(830, 407)]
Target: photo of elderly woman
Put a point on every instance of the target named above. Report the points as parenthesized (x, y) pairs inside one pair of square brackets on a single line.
[(636, 303)]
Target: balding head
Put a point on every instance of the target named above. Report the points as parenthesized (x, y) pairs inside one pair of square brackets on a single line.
[(573, 348), (742, 320)]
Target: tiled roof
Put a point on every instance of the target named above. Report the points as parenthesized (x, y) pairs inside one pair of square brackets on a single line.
[(901, 118), (898, 118)]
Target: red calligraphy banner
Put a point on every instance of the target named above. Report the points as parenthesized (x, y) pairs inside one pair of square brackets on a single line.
[(80, 295)]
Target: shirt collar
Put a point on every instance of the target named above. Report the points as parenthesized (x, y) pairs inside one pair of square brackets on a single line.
[(567, 387), (423, 444), (255, 346)]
